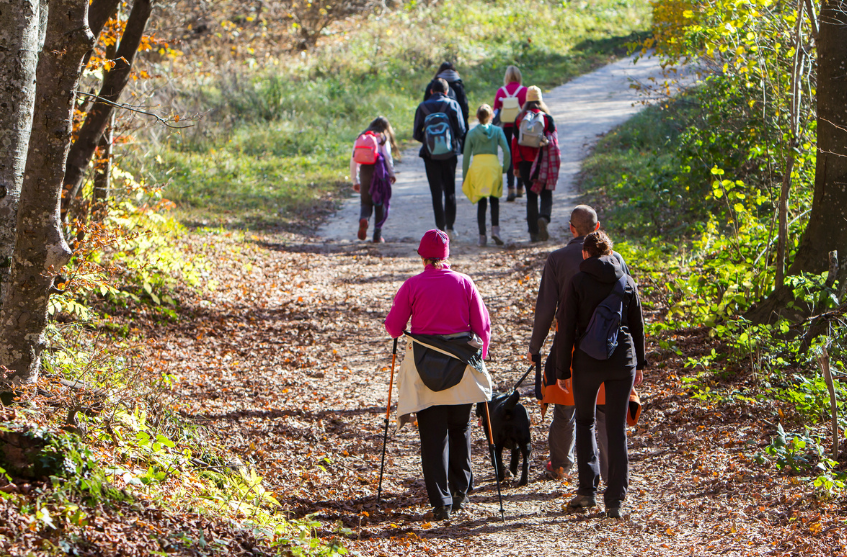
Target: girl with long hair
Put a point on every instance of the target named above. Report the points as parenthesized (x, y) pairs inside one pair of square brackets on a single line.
[(372, 166)]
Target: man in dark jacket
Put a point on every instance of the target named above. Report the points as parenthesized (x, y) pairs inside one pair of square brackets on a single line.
[(560, 267), (456, 89), (441, 168)]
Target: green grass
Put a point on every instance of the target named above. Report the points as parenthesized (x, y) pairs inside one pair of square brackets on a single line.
[(633, 173), (275, 144)]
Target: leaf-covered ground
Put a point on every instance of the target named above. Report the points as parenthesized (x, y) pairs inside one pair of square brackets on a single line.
[(287, 360)]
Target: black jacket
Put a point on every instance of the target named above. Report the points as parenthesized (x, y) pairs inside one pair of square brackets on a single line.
[(440, 103), (560, 267), (590, 286), (457, 93)]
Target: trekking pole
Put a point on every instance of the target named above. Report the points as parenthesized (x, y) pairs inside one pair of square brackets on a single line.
[(387, 416), (494, 461)]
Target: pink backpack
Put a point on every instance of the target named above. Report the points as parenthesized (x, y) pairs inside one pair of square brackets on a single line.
[(366, 149)]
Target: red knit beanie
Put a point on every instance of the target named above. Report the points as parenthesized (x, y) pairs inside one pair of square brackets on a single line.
[(435, 244)]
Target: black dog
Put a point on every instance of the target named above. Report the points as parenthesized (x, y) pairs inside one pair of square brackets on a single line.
[(510, 428)]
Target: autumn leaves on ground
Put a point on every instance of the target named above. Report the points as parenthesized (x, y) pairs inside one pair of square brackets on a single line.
[(287, 362)]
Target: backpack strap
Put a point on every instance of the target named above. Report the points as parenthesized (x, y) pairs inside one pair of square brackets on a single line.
[(619, 290), (511, 95)]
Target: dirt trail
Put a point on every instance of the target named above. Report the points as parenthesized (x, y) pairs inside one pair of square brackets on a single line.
[(287, 360)]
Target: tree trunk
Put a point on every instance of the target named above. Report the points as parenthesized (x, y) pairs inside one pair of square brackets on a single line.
[(98, 117), (40, 247), (827, 228), (19, 46)]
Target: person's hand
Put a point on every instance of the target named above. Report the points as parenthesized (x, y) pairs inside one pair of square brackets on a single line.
[(517, 173), (529, 356), (563, 384), (357, 188), (393, 179), (639, 377)]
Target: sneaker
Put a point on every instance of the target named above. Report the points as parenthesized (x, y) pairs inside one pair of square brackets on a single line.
[(533, 238), (582, 502), (511, 195), (483, 241), (495, 235), (363, 229), (614, 512), (378, 239), (441, 513), (460, 501), (543, 235), (452, 234), (555, 473)]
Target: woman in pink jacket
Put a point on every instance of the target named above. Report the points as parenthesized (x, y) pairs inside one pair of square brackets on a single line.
[(445, 307), (511, 88)]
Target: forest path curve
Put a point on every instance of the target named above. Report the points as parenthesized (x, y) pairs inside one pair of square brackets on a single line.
[(584, 108)]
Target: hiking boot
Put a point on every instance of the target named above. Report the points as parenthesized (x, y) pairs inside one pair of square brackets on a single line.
[(452, 234), (543, 235), (378, 239), (511, 195), (582, 502), (614, 512), (555, 473), (363, 229), (460, 501), (495, 235), (483, 241), (533, 238), (519, 192), (441, 513)]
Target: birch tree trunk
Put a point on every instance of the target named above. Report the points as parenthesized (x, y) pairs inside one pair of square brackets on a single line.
[(40, 248), (19, 46)]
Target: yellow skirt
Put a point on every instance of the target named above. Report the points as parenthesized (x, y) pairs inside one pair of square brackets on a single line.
[(484, 179)]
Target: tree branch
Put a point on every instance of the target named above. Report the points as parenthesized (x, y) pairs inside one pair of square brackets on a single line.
[(99, 99)]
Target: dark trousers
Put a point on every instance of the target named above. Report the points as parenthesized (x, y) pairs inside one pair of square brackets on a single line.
[(618, 387), (510, 132), (366, 174), (480, 213), (441, 175), (446, 451), (532, 210)]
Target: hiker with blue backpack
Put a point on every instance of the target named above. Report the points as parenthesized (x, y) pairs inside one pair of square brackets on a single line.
[(601, 329), (482, 172), (439, 126), (508, 103), (372, 174), (455, 90), (535, 152)]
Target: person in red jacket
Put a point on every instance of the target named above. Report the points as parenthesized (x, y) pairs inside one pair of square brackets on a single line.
[(523, 157), (511, 88)]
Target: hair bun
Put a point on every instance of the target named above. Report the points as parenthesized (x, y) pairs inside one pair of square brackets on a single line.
[(598, 243)]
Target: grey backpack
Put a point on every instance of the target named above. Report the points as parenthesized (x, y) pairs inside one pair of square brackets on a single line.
[(531, 131)]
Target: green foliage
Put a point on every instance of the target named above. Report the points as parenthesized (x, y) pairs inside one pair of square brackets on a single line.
[(276, 141), (693, 184), (803, 453), (130, 257)]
